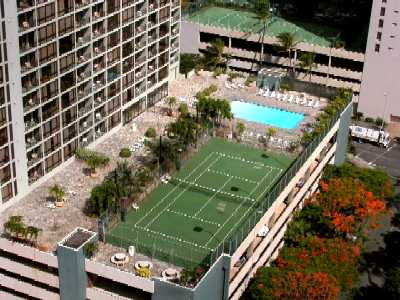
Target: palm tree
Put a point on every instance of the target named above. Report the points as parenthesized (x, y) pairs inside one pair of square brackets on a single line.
[(240, 128), (215, 55), (171, 102), (32, 233), (270, 133), (307, 62), (262, 10), (288, 43), (58, 193)]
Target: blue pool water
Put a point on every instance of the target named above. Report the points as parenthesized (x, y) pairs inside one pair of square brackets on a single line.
[(266, 115)]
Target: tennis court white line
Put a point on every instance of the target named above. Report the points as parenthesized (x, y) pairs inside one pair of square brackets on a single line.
[(212, 197), (214, 190), (173, 238), (246, 161), (193, 217), (251, 207), (231, 176), (239, 206), (171, 191), (180, 194)]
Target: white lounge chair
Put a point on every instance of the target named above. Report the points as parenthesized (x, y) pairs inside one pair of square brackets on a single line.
[(273, 94), (227, 85), (233, 85), (291, 99), (316, 104), (303, 101), (298, 100), (279, 96), (310, 103), (135, 206), (285, 97), (260, 92)]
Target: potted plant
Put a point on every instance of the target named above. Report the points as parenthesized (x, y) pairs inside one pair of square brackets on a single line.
[(58, 194)]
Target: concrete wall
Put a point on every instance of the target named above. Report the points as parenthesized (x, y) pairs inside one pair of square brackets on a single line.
[(72, 275), (343, 135), (379, 88), (213, 286), (189, 38)]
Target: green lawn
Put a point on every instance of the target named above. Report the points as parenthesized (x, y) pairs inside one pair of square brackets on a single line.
[(247, 21), (183, 221)]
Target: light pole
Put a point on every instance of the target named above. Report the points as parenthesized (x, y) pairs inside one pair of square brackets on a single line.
[(384, 110)]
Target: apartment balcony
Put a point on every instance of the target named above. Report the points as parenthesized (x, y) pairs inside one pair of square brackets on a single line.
[(141, 12), (127, 65), (82, 37), (86, 140), (35, 173), (98, 12), (152, 37), (84, 109), (28, 62), (27, 42), (81, 3), (31, 123), (140, 29), (32, 138), (140, 88), (98, 83), (31, 101), (153, 5), (99, 132), (25, 4), (175, 3), (98, 31), (82, 19), (29, 82), (83, 56), (85, 125), (84, 90), (99, 115), (34, 156), (140, 60), (175, 30), (98, 65), (152, 67), (26, 21), (99, 99), (176, 17), (84, 73)]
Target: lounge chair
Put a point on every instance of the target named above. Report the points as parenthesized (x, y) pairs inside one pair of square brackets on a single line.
[(135, 206), (310, 103), (260, 92), (273, 94), (316, 104), (291, 99), (227, 85), (298, 100), (285, 97), (279, 96)]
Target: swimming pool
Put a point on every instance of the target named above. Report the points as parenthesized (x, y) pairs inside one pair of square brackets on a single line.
[(266, 115)]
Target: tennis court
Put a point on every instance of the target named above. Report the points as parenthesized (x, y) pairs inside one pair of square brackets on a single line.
[(183, 221), (246, 21)]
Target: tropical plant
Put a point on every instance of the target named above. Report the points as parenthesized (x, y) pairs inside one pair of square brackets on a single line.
[(271, 132), (183, 130), (215, 54), (150, 132), (125, 153), (57, 192), (90, 249), (307, 62), (93, 159), (287, 42), (188, 62), (32, 233), (249, 80), (171, 102), (183, 110), (240, 128), (16, 228), (380, 123), (262, 11), (144, 176)]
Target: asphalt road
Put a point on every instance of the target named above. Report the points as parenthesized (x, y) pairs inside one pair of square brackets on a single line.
[(389, 158)]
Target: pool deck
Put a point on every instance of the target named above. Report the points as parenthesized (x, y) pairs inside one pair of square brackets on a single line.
[(187, 88)]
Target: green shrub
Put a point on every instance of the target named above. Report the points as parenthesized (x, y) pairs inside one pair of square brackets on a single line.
[(250, 79), (150, 133), (369, 120), (380, 122), (93, 158), (218, 71), (125, 153)]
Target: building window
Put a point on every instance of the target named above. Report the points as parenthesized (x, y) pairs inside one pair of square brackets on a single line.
[(383, 11), (46, 13), (380, 24), (377, 47), (53, 161)]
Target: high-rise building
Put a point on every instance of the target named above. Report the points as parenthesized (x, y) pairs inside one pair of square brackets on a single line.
[(380, 89), (71, 72)]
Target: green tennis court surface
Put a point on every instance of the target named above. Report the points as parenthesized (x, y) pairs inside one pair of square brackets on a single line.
[(246, 21), (183, 221)]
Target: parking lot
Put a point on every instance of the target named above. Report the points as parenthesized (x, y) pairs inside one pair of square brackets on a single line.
[(389, 158)]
